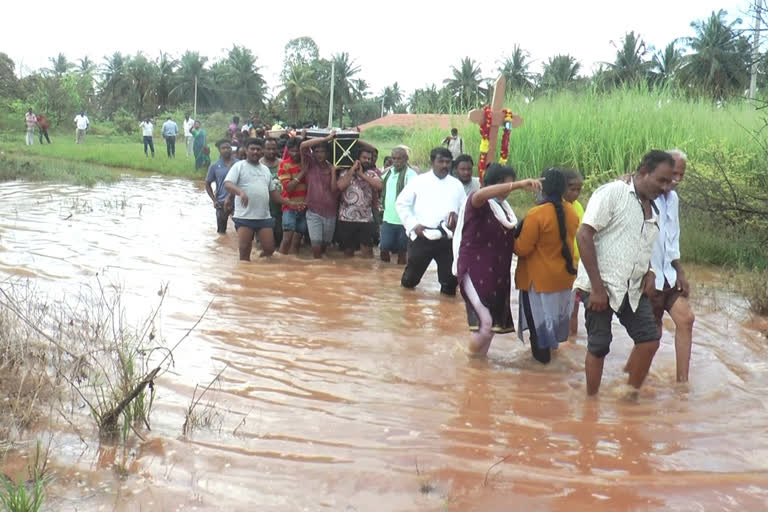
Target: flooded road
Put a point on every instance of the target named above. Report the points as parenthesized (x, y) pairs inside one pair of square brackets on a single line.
[(341, 391)]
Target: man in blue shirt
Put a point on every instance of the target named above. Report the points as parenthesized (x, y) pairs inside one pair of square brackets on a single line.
[(170, 131), (216, 173)]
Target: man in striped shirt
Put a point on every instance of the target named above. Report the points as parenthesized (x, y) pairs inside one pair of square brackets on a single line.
[(294, 220)]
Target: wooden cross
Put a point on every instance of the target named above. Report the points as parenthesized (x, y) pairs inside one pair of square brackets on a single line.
[(497, 116)]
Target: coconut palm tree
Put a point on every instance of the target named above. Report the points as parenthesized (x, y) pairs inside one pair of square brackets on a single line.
[(344, 85), (560, 72), (466, 85), (86, 66), (191, 67), (425, 101), (115, 85), (392, 96), (719, 64), (666, 63), (631, 64), (299, 92), (166, 67), (59, 65), (515, 69), (141, 73), (242, 76)]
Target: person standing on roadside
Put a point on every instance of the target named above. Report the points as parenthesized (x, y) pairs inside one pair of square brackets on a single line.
[(616, 239), (188, 137), (170, 130), (43, 123), (217, 172), (31, 120), (81, 127), (146, 133), (454, 143)]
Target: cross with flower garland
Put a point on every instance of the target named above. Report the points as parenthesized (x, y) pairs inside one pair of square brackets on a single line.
[(490, 118)]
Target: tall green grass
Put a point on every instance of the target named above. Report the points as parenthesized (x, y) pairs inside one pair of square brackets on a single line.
[(597, 133)]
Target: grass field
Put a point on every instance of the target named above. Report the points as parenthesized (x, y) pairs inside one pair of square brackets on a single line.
[(600, 133), (124, 152)]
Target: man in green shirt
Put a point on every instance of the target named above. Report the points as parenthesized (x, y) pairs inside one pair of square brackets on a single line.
[(393, 237)]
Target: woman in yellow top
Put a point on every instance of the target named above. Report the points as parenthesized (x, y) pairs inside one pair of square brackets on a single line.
[(545, 267), (574, 181)]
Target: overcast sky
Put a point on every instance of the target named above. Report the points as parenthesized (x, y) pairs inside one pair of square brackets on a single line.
[(409, 41)]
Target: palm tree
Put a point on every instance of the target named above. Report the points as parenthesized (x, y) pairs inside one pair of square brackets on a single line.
[(86, 66), (560, 71), (466, 84), (425, 101), (666, 63), (114, 85), (720, 58), (299, 91), (141, 73), (242, 75), (191, 67), (631, 64), (391, 97), (344, 90), (166, 67), (59, 65), (515, 70)]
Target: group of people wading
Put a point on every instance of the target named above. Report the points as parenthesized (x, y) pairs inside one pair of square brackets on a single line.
[(618, 257)]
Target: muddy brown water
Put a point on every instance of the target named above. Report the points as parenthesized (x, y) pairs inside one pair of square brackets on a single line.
[(344, 392)]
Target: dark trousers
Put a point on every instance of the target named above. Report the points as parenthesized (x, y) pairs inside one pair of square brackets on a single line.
[(170, 146), (222, 215), (421, 252), (148, 142), (44, 131)]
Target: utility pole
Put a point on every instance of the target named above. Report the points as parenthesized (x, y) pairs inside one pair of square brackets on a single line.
[(382, 105), (195, 109), (755, 50), (330, 106)]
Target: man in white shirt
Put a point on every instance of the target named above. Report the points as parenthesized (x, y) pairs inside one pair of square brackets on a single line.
[(671, 288), (455, 144), (188, 138), (81, 126), (616, 238), (428, 207), (146, 132)]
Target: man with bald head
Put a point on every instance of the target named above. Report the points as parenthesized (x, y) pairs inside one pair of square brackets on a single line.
[(670, 289), (393, 237)]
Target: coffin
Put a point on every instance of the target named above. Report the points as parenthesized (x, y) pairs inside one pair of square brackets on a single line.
[(342, 149)]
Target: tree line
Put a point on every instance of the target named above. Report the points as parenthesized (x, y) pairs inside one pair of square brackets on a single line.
[(715, 62)]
